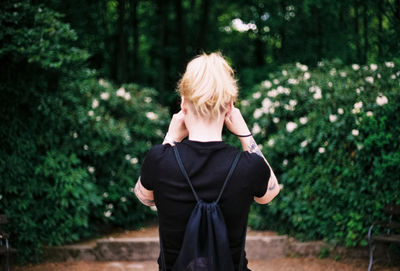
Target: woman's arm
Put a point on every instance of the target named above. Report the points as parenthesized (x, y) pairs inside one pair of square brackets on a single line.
[(237, 125), (145, 196), (176, 132)]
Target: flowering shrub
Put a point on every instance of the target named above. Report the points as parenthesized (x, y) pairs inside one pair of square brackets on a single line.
[(71, 144), (332, 135)]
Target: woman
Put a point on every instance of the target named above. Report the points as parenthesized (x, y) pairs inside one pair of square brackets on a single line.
[(208, 91)]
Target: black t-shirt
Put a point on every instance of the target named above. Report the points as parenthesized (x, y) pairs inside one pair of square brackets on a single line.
[(207, 164)]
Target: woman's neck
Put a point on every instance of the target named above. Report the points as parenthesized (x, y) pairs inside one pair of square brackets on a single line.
[(205, 131)]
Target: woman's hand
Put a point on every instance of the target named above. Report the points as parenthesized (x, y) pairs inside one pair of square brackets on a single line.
[(177, 130), (235, 122)]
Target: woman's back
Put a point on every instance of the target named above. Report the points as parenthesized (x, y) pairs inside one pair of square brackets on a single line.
[(207, 164)]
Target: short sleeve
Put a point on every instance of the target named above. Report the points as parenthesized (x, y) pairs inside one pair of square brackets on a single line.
[(261, 174), (147, 173)]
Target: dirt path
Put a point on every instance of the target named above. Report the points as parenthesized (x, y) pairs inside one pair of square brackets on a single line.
[(284, 264)]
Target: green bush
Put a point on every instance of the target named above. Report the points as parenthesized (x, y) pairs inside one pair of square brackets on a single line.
[(71, 144), (332, 135)]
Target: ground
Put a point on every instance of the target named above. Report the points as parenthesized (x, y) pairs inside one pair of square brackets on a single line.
[(283, 264)]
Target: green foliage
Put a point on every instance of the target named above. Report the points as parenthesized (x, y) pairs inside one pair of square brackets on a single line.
[(71, 144), (332, 135)]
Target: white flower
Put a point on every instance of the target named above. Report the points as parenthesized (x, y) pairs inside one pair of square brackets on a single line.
[(85, 147), (104, 96), (307, 75), (292, 102), (343, 74), (271, 142), (95, 103), (314, 89), (304, 143), (291, 126), (285, 162), (272, 93), (293, 81), (107, 213), (257, 113), (267, 84), (256, 129), (303, 120), (321, 149), (369, 114), (393, 76), (131, 189), (256, 95), (389, 64), (355, 132), (147, 99), (105, 194), (275, 81), (373, 67), (91, 169), (109, 206), (332, 118), (275, 120), (102, 82), (355, 67), (98, 118), (91, 113), (121, 92), (381, 100), (332, 71), (340, 111), (321, 64), (127, 96), (358, 91), (134, 160), (301, 66), (123, 199), (317, 95), (75, 135), (266, 104), (151, 115), (358, 105), (330, 84), (369, 79), (379, 76), (244, 103), (284, 72), (127, 157)]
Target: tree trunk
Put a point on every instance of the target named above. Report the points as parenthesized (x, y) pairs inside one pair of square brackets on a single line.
[(162, 43), (320, 43), (180, 35), (202, 37), (135, 29), (357, 32), (365, 26), (380, 29), (121, 45), (282, 30)]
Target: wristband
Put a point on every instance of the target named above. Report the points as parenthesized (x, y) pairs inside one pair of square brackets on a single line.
[(242, 135)]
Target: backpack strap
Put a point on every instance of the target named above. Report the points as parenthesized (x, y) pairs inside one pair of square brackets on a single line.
[(234, 164), (178, 158)]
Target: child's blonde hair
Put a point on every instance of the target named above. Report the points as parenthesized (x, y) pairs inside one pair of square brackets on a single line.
[(209, 83)]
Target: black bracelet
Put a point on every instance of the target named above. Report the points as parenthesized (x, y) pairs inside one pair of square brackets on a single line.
[(242, 135)]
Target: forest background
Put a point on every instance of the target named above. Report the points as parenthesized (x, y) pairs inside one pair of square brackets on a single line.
[(88, 87)]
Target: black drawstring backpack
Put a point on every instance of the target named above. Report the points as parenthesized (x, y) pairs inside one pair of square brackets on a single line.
[(205, 244)]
